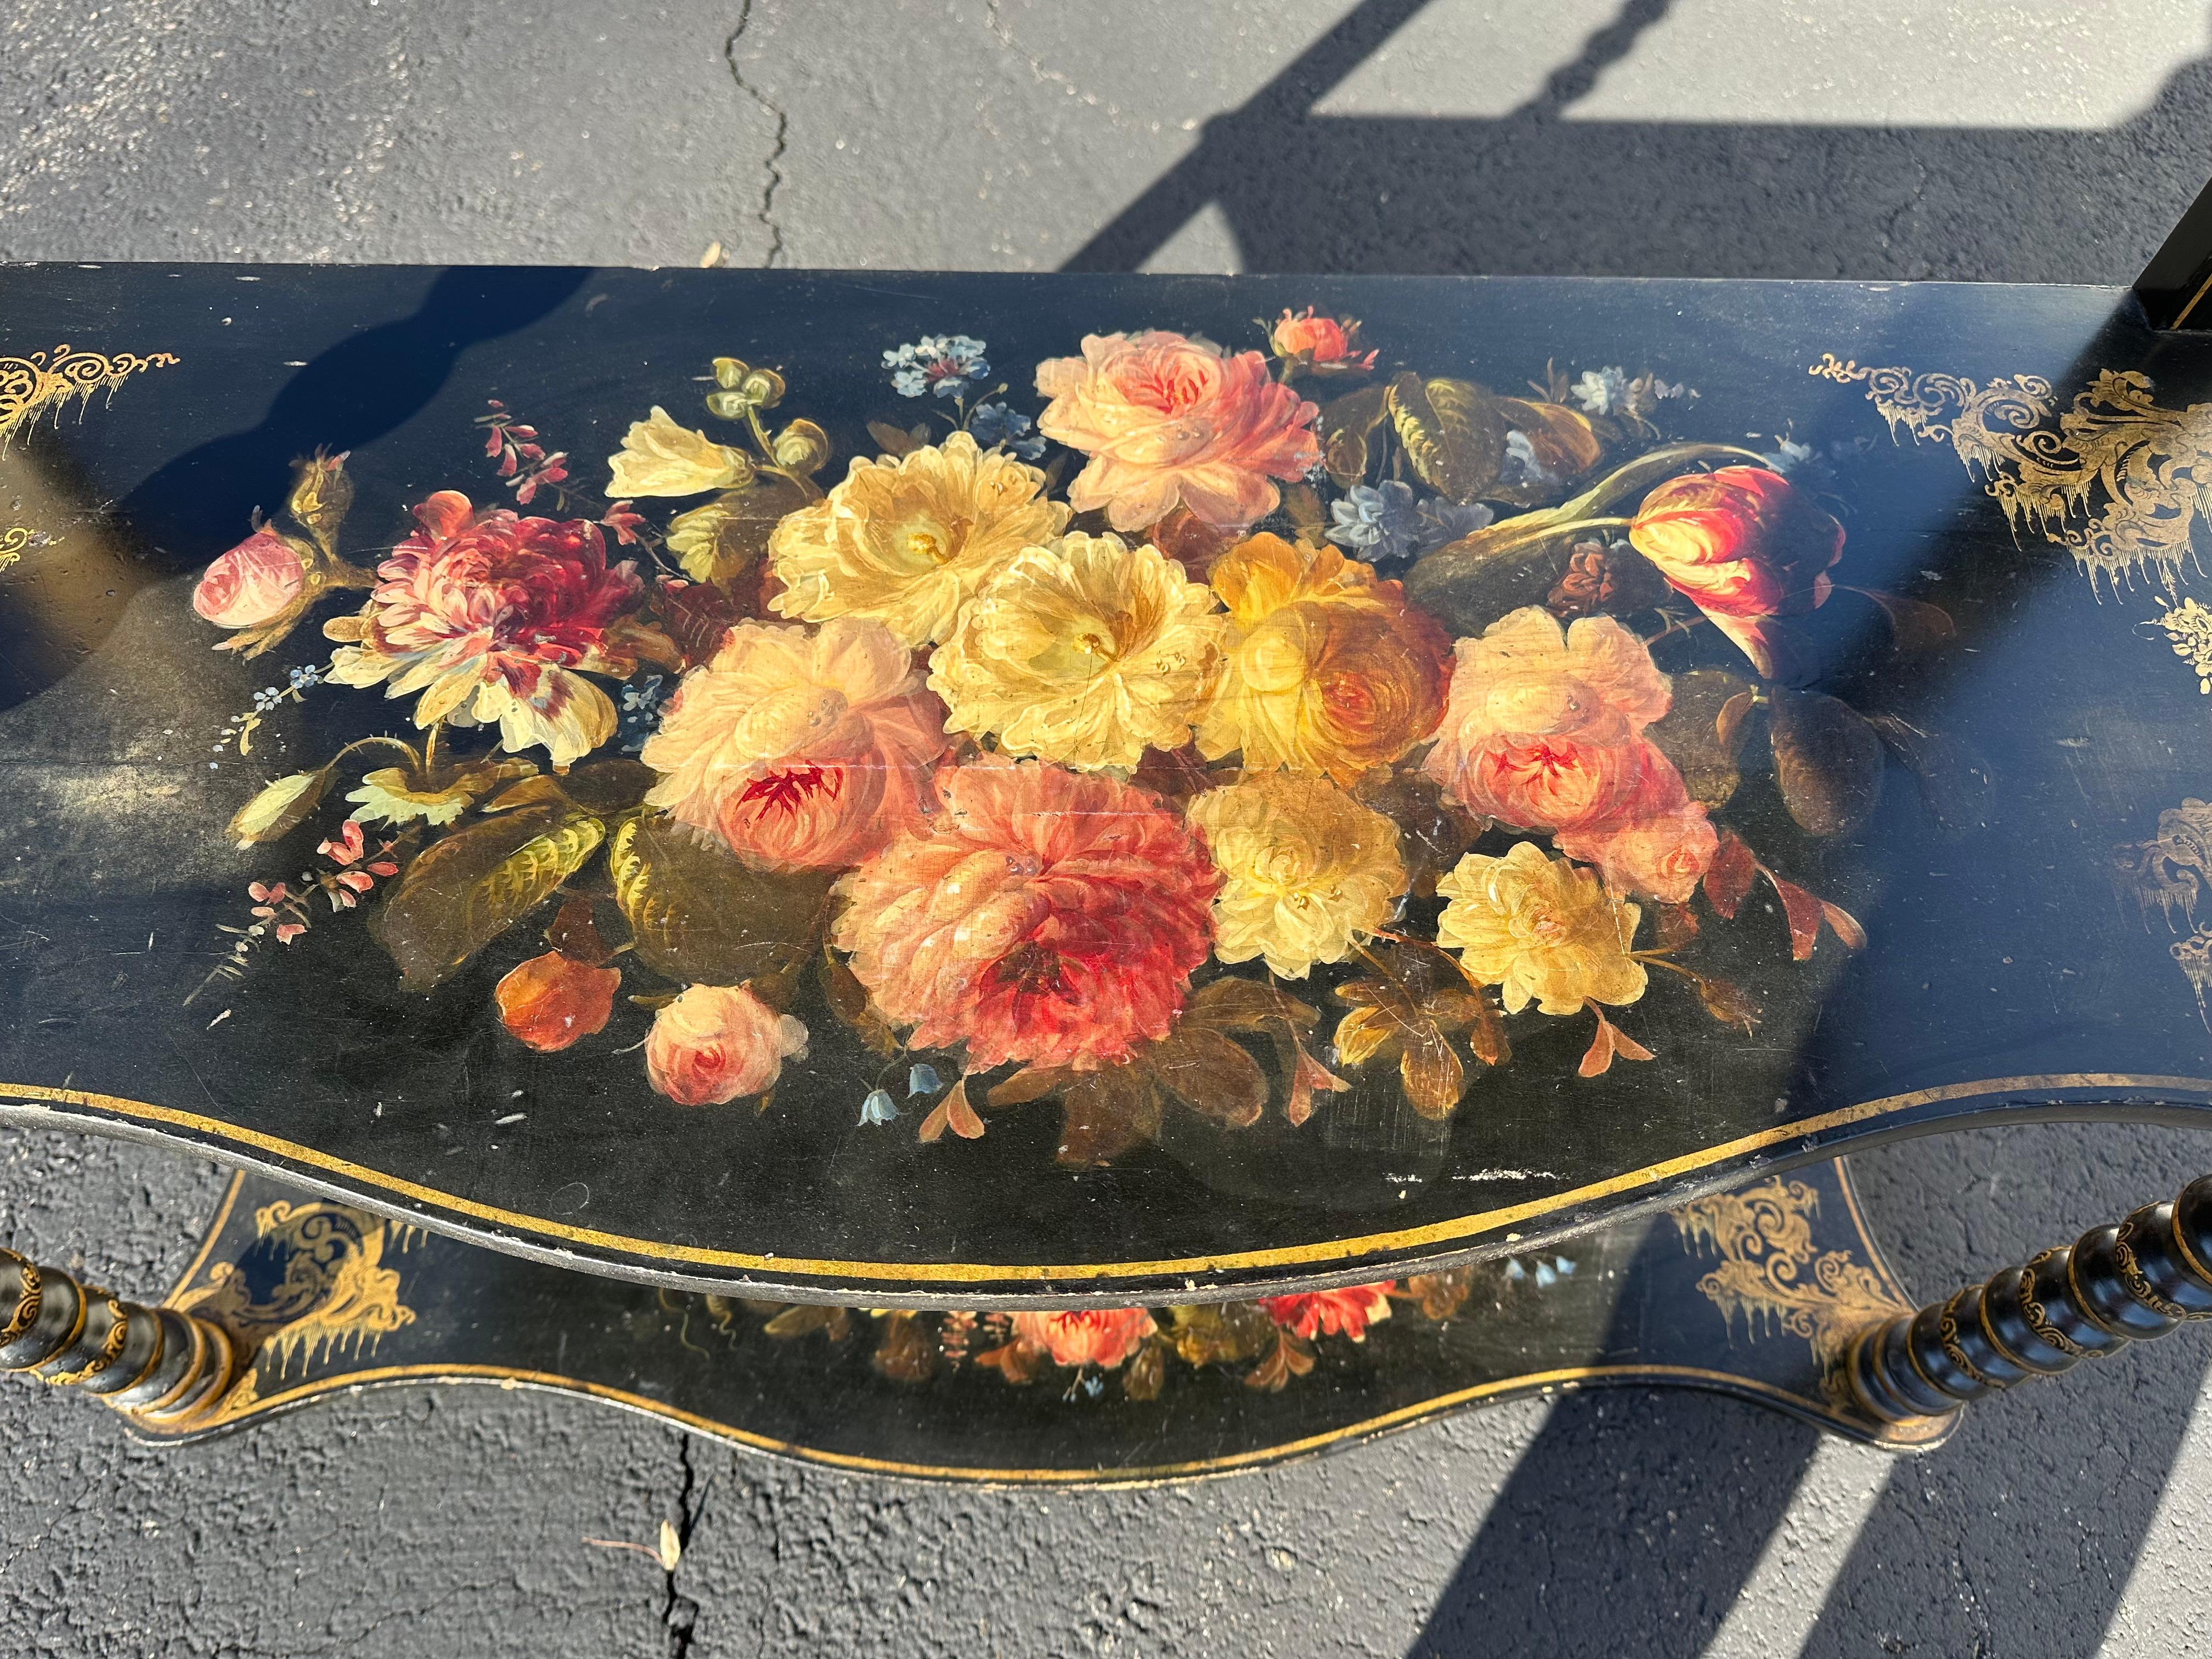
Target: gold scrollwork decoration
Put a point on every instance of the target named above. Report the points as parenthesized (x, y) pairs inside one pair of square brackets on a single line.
[(2119, 481), (1772, 1273), (30, 385), (13, 540), (312, 1282)]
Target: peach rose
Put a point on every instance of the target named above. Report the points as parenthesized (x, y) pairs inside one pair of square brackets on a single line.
[(1345, 1312), (1543, 726), (801, 749), (553, 1000), (1170, 422), (1746, 548), (1659, 844), (253, 585), (1325, 344), (1046, 915), (715, 1043), (1103, 1337)]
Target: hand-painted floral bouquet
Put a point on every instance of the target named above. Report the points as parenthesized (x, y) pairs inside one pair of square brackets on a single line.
[(1099, 798)]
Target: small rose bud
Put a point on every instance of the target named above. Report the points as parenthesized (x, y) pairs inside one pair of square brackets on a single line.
[(802, 446), (253, 584), (762, 387), (715, 1043), (553, 1000)]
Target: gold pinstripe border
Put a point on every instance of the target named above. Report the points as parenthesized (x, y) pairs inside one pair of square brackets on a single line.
[(1437, 1235)]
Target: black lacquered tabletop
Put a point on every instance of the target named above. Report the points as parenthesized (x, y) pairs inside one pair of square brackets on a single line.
[(948, 787)]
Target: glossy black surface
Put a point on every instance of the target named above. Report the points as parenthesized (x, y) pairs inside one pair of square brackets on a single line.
[(1635, 1303), (2000, 948)]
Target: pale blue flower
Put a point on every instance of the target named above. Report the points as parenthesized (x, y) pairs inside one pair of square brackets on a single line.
[(879, 1109), (1383, 521), (921, 1079), (943, 363)]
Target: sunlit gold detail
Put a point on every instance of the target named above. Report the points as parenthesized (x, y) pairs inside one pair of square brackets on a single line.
[(2118, 483), (111, 1345), (1772, 1274), (2039, 1318), (13, 540), (1947, 1333), (45, 379), (331, 1293), (2188, 626), (29, 1293)]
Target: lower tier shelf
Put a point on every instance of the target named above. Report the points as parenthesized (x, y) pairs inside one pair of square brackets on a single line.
[(1753, 1293)]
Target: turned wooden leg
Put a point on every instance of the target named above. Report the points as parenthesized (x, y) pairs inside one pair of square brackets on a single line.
[(152, 1364), (2112, 1286)]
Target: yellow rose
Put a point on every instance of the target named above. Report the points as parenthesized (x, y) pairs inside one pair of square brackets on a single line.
[(1541, 929), (1326, 670), (1084, 651), (908, 541), (1308, 870), (659, 458)]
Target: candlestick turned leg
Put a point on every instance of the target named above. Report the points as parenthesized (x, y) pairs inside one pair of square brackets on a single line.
[(2114, 1286), (154, 1365)]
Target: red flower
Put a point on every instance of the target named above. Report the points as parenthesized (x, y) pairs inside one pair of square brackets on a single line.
[(553, 1000), (1323, 343), (1745, 547), (1660, 841), (490, 617), (1046, 916), (1347, 1312), (259, 581), (1103, 1337)]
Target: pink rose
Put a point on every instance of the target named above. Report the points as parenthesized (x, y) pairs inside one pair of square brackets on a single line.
[(1543, 726), (253, 584), (715, 1043), (1103, 1337), (1170, 422), (801, 749), (1659, 843)]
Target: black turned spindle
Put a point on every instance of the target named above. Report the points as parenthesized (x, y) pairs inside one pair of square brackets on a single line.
[(152, 1364), (2112, 1286)]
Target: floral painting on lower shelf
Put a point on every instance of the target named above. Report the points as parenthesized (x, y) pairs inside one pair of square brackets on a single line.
[(1215, 726)]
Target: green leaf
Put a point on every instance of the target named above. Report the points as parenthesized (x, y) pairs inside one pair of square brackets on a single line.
[(703, 915), (463, 892), (1827, 760), (280, 809), (1452, 433), (1347, 426)]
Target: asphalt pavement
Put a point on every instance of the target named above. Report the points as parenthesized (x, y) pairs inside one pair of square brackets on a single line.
[(1867, 138)]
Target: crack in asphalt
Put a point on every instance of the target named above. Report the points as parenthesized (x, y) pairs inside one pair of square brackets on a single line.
[(772, 166), (994, 19), (679, 1613)]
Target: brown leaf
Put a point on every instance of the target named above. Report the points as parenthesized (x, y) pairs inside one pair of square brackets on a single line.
[(1844, 925), (702, 916), (1147, 1372), (1696, 735), (1955, 778), (1347, 425), (573, 934), (1434, 1077), (959, 1115), (1803, 912), (1677, 925), (1914, 624), (462, 892), (1030, 1083), (1302, 505), (1018, 1362), (1307, 1076), (1209, 1073), (698, 616), (804, 1318), (1220, 1333), (1174, 775), (1231, 1004), (1361, 1034), (1827, 760), (610, 786), (1727, 877), (543, 790), (1290, 1358), (1729, 1003), (906, 1350), (849, 1001), (1441, 1295), (1191, 542), (1563, 440), (1434, 832), (895, 442), (1106, 1112), (322, 495)]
